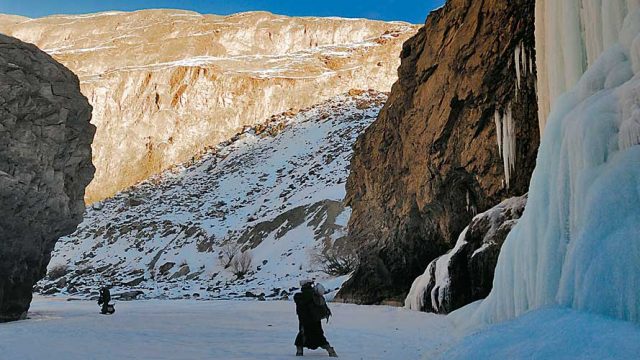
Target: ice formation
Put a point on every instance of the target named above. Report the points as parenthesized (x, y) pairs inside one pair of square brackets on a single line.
[(524, 64), (506, 135), (571, 35), (578, 242), (505, 129)]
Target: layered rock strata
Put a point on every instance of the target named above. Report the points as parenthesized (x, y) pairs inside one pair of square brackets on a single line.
[(165, 84)]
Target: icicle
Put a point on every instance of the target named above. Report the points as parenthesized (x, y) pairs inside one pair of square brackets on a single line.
[(508, 144), (498, 120), (468, 202), (506, 136), (525, 60), (531, 64), (570, 36), (630, 130), (523, 66), (517, 64)]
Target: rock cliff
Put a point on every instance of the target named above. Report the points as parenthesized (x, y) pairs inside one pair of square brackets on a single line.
[(458, 134), (165, 83), (45, 165)]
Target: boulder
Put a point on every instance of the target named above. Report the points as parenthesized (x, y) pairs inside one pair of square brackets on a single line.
[(45, 166), (465, 274)]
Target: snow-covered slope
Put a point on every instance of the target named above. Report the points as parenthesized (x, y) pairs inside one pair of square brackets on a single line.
[(578, 242), (276, 189), (165, 84)]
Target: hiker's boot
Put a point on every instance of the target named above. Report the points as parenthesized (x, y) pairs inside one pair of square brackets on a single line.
[(330, 350), (299, 351)]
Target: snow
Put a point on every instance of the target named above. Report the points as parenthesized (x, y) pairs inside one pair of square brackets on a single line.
[(78, 51), (578, 242), (280, 66), (279, 196), (567, 274), (230, 330), (439, 291), (88, 16), (551, 333), (244, 330)]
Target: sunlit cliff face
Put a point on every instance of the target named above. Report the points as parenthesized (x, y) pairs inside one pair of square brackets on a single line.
[(166, 84)]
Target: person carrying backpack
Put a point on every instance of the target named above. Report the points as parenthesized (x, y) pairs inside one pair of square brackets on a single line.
[(103, 299), (311, 308)]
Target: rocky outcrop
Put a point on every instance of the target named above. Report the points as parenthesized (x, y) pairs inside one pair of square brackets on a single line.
[(458, 134), (45, 165), (465, 274), (165, 84)]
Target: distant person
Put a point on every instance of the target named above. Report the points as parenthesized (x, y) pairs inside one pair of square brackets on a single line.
[(311, 308), (103, 299)]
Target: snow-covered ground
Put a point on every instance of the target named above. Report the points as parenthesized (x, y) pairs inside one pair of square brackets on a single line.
[(229, 330), (550, 333), (248, 330)]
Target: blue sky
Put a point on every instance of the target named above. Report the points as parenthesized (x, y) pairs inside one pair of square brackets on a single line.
[(414, 11)]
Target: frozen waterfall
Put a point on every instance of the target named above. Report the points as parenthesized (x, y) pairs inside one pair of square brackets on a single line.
[(570, 36), (578, 242)]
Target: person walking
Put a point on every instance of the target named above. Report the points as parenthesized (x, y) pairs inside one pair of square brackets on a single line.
[(311, 308), (103, 299)]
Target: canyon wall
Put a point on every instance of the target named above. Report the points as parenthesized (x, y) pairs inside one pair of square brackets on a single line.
[(458, 134), (45, 165), (167, 84)]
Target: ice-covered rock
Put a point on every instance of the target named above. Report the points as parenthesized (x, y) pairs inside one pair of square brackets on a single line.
[(465, 273), (578, 241), (45, 165), (165, 84)]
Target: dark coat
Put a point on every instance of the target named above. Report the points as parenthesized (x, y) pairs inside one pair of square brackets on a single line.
[(105, 297), (310, 314)]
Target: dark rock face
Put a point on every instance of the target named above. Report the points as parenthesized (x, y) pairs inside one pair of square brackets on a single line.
[(465, 274), (45, 165), (433, 159)]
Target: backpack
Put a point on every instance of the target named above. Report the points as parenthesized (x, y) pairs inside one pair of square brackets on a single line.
[(321, 309)]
